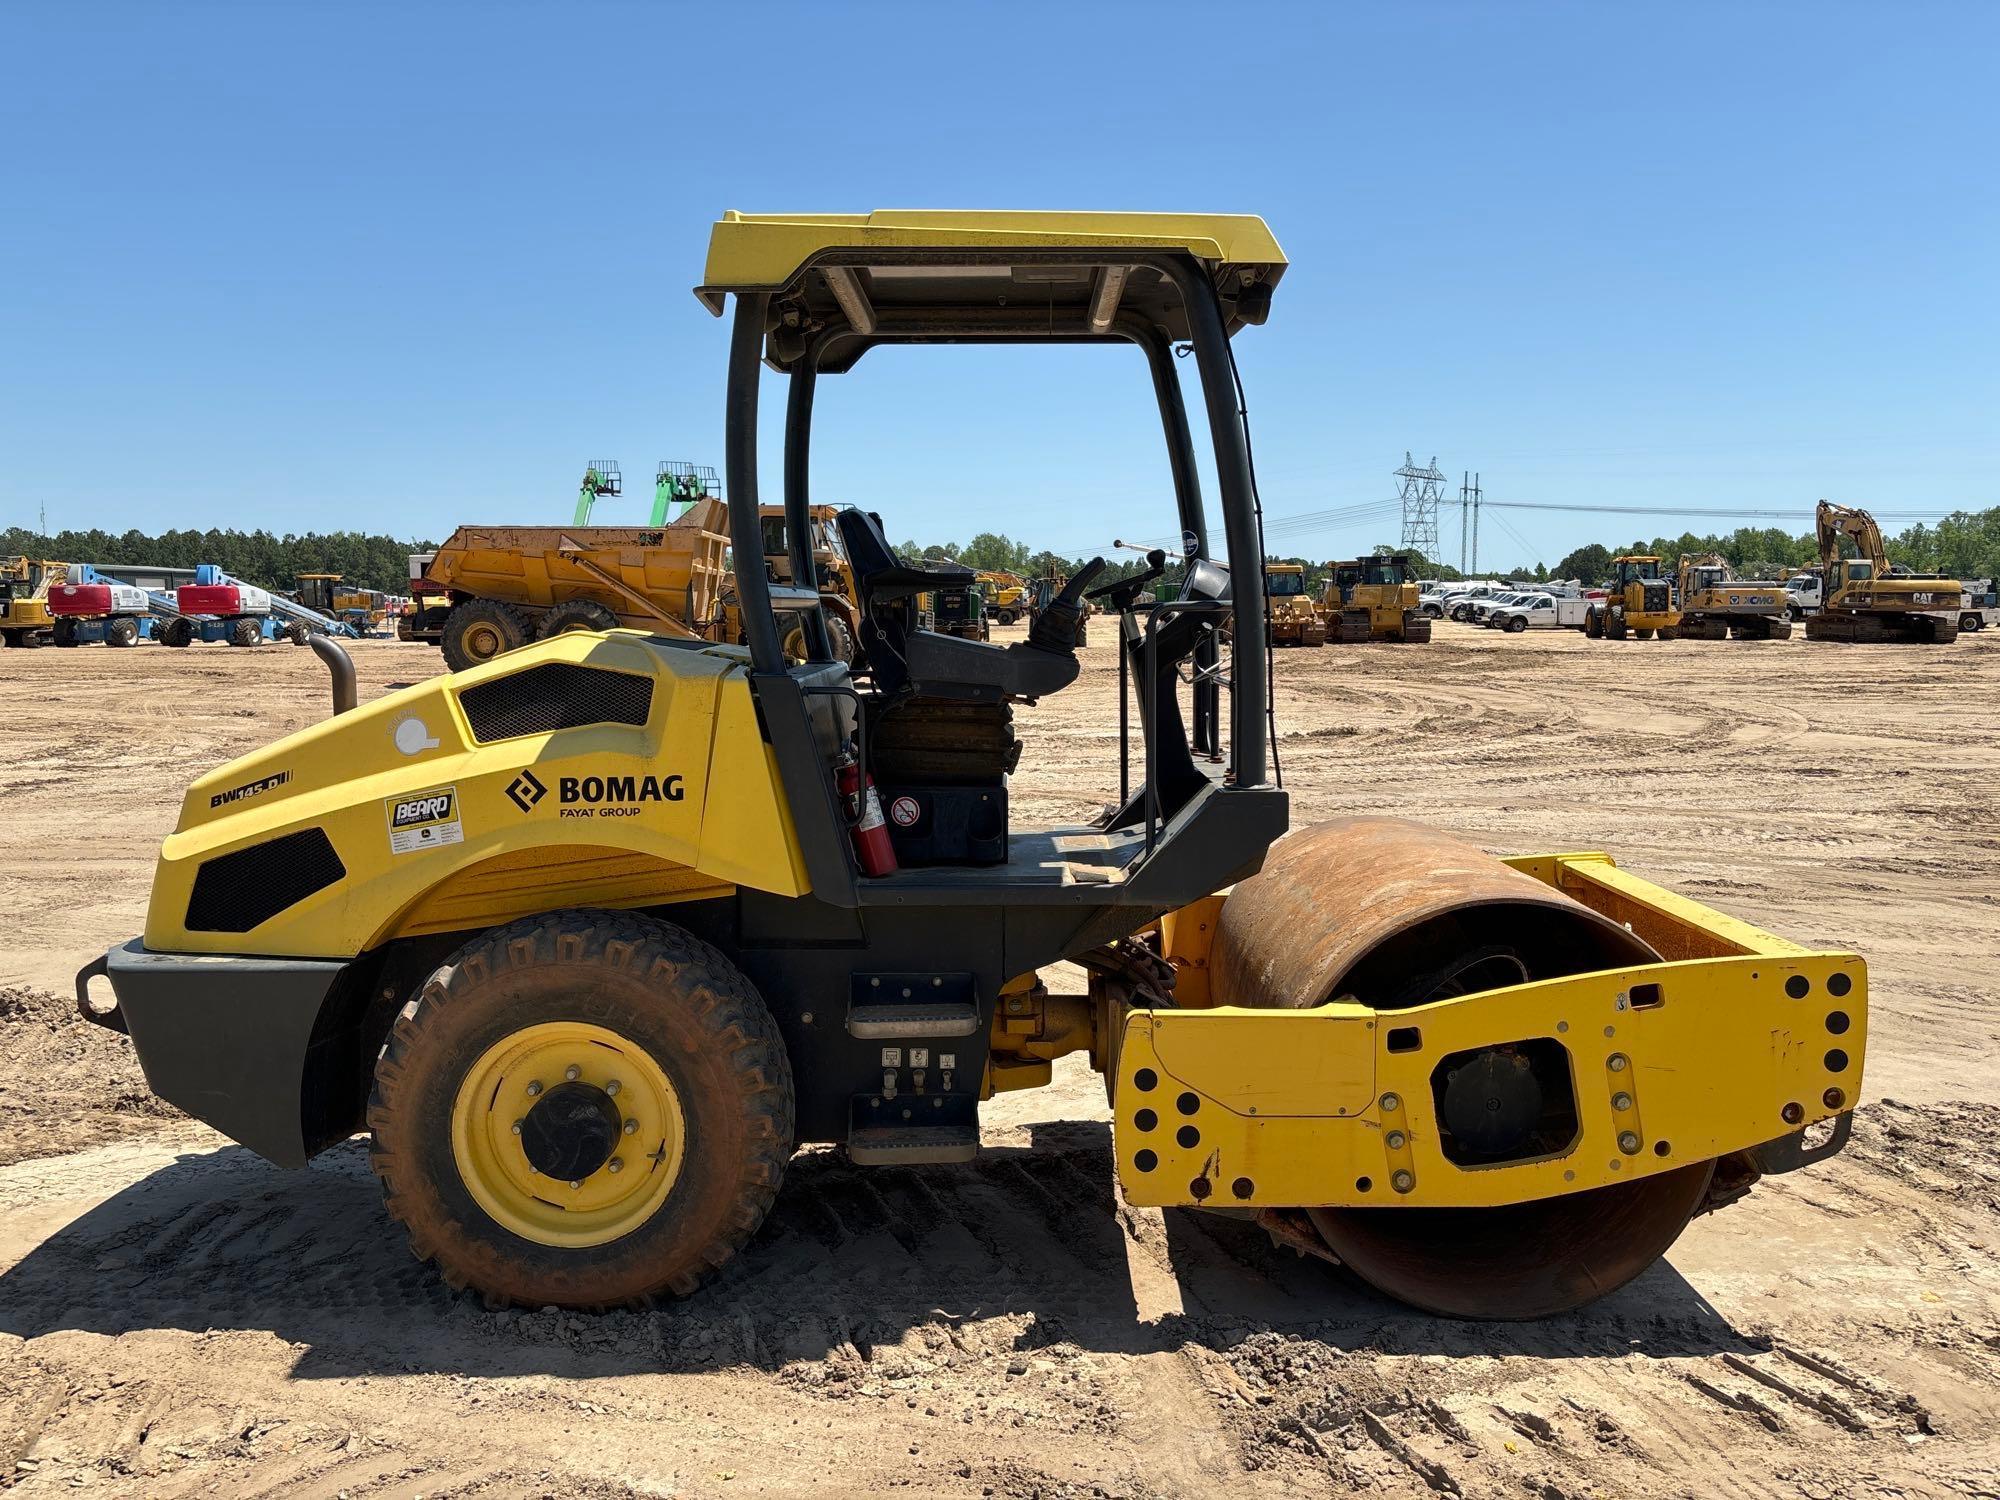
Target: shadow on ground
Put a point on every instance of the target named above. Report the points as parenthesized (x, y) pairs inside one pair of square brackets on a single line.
[(1023, 1248)]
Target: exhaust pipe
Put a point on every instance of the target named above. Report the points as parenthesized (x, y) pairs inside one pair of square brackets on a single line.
[(339, 666)]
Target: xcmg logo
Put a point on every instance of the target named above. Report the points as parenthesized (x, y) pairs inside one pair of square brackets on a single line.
[(597, 796)]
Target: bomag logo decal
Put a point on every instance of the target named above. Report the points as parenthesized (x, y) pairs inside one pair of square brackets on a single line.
[(424, 820), (597, 796), (250, 788), (615, 796)]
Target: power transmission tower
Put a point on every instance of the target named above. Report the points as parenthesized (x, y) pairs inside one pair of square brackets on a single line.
[(1422, 494)]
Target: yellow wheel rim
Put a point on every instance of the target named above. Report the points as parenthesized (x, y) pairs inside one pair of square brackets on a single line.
[(482, 642), (522, 1071)]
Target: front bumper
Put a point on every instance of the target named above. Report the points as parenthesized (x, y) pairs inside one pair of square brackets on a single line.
[(225, 1038)]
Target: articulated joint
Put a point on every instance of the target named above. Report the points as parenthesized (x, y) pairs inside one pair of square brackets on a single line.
[(1032, 1028)]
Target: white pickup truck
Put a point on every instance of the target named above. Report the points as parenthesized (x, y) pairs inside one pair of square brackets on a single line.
[(1540, 613)]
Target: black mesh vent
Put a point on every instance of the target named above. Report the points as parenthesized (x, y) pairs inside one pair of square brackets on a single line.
[(555, 695), (235, 892)]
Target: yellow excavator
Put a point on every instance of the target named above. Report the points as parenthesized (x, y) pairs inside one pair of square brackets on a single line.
[(1716, 604), (1864, 599), (588, 938), (1006, 594), (24, 600)]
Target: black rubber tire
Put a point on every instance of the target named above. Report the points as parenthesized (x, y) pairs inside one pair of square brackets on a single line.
[(1006, 617), (245, 632), (298, 632), (1593, 624), (1516, 624), (576, 614), (1669, 633), (121, 631), (493, 628), (840, 638), (64, 632), (176, 632), (657, 985)]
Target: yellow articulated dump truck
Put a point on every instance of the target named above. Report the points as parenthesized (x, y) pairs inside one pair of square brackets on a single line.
[(589, 938)]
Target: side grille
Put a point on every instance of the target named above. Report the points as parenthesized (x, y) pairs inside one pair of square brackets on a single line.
[(235, 892), (555, 695)]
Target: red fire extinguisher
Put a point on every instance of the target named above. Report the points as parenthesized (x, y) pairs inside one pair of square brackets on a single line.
[(869, 830)]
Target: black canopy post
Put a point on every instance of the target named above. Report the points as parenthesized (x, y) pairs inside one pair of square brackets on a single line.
[(746, 533)]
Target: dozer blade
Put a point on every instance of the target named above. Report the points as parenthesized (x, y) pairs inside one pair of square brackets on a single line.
[(1535, 1137)]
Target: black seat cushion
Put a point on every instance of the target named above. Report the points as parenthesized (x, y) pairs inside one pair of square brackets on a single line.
[(925, 661)]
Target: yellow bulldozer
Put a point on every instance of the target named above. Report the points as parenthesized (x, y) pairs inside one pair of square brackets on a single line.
[(1372, 599), (590, 937), (1638, 601), (1293, 621), (1864, 598)]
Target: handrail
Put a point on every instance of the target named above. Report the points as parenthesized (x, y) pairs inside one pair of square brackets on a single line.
[(1149, 695)]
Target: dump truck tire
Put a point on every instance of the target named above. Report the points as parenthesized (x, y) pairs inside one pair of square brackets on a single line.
[(577, 614), (675, 1115), (478, 630), (841, 639)]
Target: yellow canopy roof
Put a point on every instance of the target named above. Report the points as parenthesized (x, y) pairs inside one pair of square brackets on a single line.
[(954, 273)]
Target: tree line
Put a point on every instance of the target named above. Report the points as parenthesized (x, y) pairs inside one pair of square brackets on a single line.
[(374, 562)]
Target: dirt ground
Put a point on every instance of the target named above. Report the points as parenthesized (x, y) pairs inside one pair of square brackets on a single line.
[(179, 1318)]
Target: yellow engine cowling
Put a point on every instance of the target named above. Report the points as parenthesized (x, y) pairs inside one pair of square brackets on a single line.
[(586, 770)]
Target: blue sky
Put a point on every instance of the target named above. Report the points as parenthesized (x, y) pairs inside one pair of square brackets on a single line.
[(395, 268)]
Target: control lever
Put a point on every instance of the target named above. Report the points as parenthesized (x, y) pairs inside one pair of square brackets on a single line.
[(1126, 591), (1056, 623)]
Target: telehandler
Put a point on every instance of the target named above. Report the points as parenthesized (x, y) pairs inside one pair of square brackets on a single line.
[(589, 937), (1638, 601)]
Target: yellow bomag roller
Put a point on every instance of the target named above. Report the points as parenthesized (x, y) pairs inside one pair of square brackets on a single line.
[(589, 937)]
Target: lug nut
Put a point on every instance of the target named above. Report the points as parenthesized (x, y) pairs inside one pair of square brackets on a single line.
[(534, 1088), (1621, 1101), (1396, 1140), (517, 1127), (611, 1087), (1403, 1182), (1391, 1101), (631, 1127), (1615, 1062), (572, 1073), (616, 1164), (574, 1184), (1628, 1141)]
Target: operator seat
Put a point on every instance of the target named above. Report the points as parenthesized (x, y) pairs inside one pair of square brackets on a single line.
[(927, 663)]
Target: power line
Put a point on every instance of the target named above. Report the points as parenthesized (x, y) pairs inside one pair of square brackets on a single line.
[(1692, 510)]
